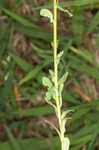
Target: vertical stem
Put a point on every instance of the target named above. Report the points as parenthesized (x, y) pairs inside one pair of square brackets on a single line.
[(55, 63), (58, 107)]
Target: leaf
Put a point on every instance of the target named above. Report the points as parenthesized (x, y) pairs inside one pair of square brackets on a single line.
[(46, 82), (43, 53), (80, 66), (94, 129), (63, 126), (18, 18), (65, 10), (59, 57), (50, 94), (68, 97), (5, 92), (76, 3), (33, 73), (36, 143), (47, 13), (78, 114), (34, 32), (63, 78), (52, 75), (94, 23), (39, 143), (53, 126), (78, 25), (83, 53), (14, 143), (60, 94), (61, 88), (37, 111), (22, 63), (64, 113)]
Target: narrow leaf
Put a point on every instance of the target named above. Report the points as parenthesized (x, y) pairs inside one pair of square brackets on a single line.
[(18, 18), (94, 23), (14, 143), (22, 63), (32, 74), (65, 10), (63, 78)]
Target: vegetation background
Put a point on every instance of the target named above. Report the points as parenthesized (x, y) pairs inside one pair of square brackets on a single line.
[(26, 55)]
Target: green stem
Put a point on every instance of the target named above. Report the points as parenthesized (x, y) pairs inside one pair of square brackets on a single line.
[(55, 63)]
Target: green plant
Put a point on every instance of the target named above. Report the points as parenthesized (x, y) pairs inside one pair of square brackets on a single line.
[(54, 84), (83, 128)]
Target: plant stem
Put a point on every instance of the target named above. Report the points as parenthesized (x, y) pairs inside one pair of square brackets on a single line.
[(55, 63)]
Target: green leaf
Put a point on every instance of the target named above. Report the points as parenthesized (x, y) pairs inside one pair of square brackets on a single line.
[(33, 73), (43, 53), (18, 18), (68, 97), (34, 32), (64, 113), (36, 143), (37, 111), (94, 23), (80, 66), (76, 3), (78, 114), (63, 78), (14, 143), (94, 129), (65, 10), (60, 94), (46, 82), (5, 93), (22, 63), (50, 94), (59, 57), (61, 88), (63, 126), (83, 53), (52, 75), (78, 25), (47, 13)]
